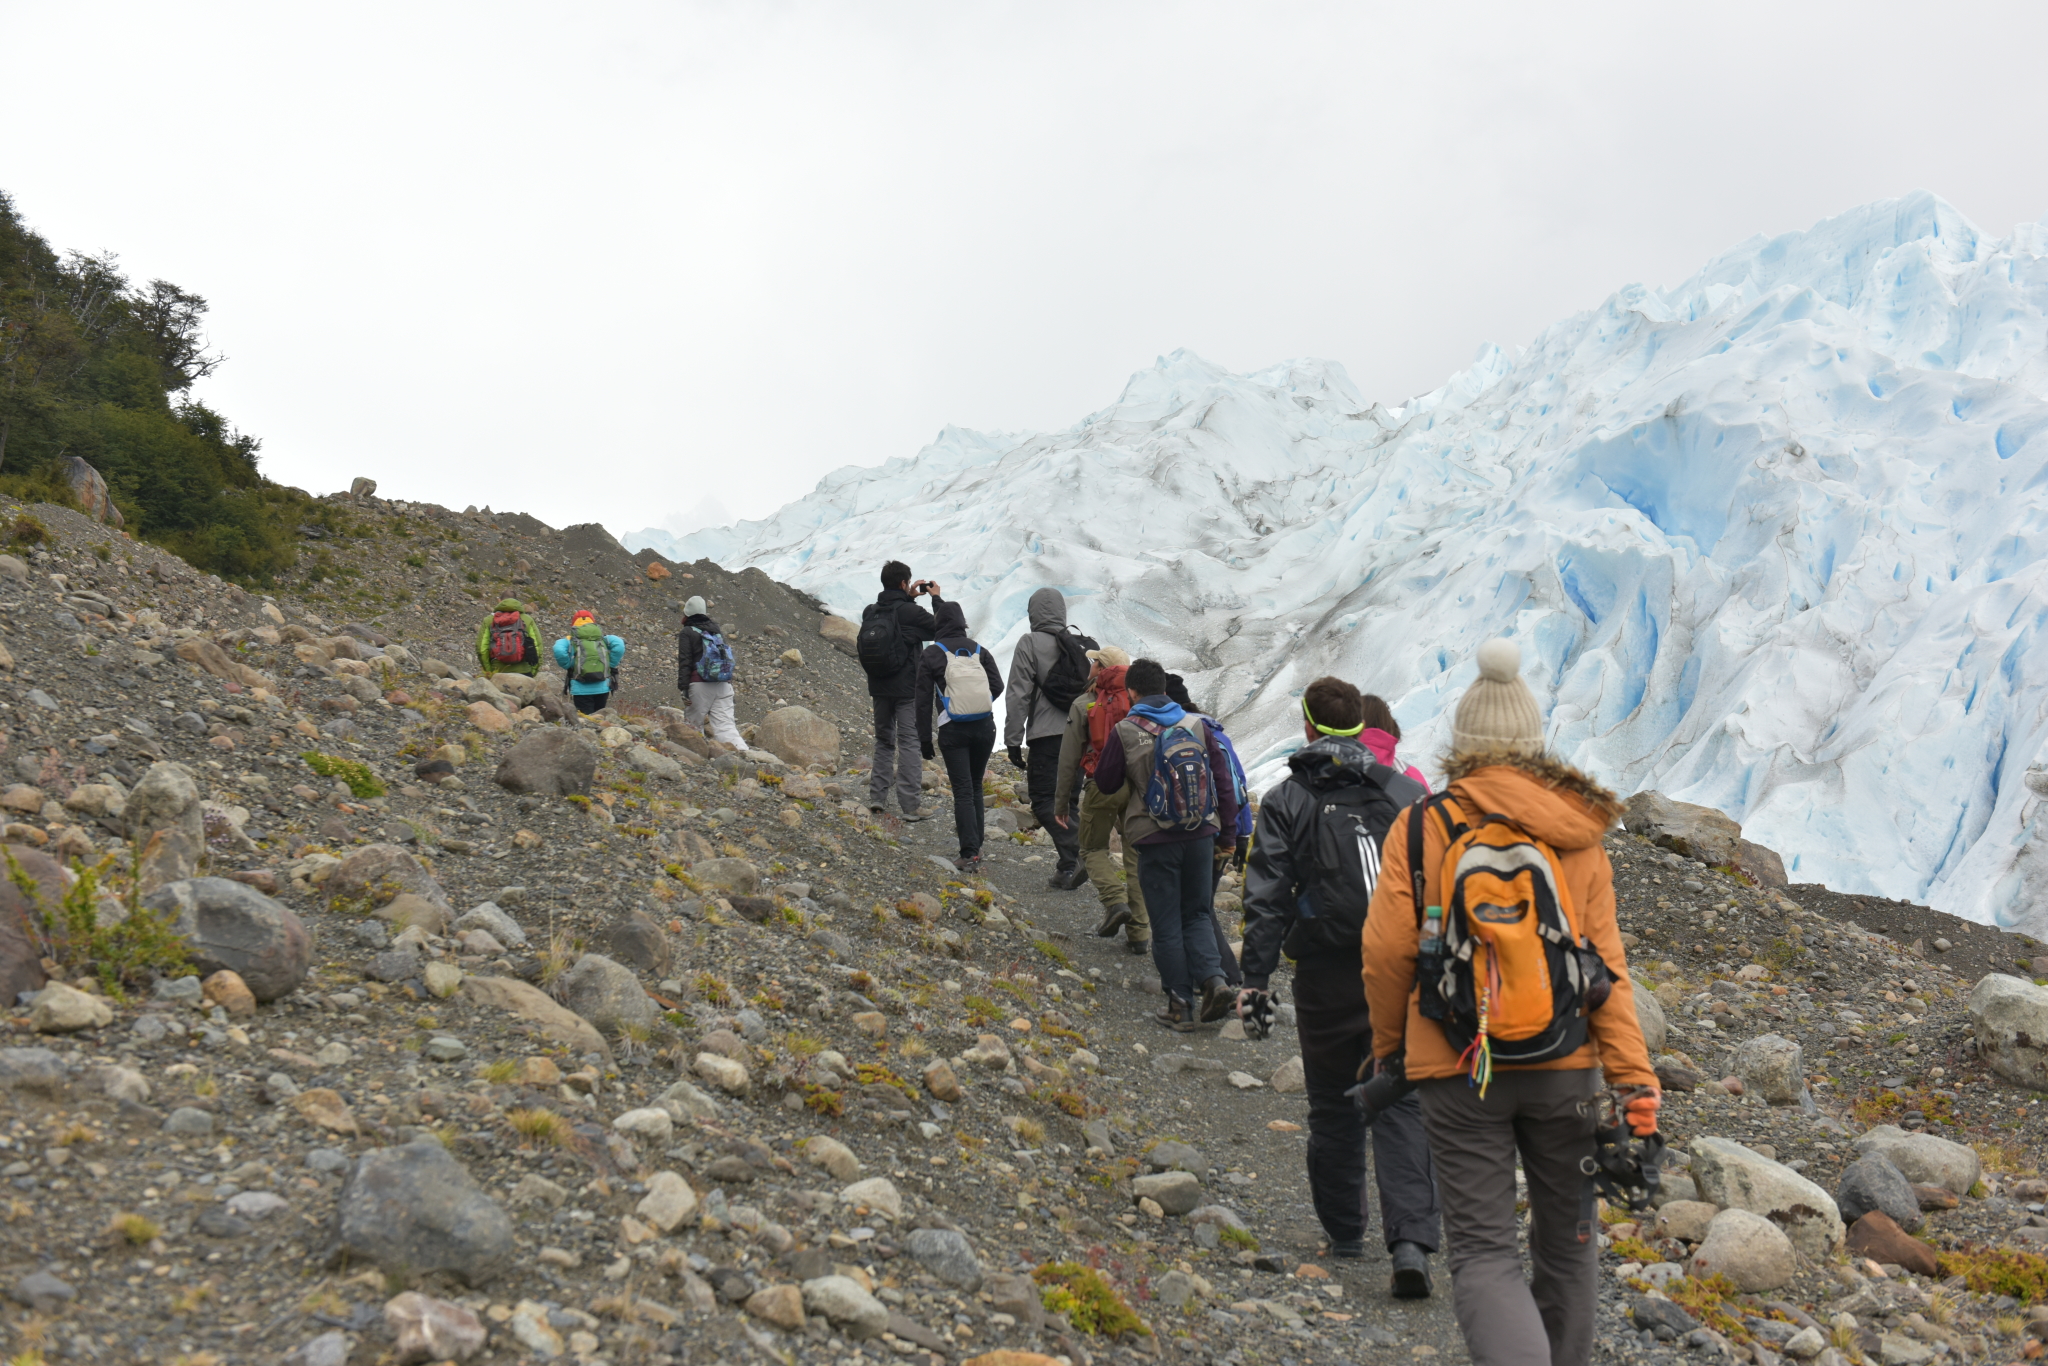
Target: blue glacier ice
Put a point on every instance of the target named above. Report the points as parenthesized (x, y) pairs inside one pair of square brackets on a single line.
[(1771, 540)]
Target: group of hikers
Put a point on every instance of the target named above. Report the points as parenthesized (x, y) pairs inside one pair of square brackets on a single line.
[(1460, 988), (589, 658)]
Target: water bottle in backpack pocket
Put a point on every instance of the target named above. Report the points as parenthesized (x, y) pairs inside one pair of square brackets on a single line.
[(1179, 794), (965, 695)]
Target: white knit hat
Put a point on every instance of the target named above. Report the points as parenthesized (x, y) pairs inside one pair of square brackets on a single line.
[(694, 607), (1498, 712)]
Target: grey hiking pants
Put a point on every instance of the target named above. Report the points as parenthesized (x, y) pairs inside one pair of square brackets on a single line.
[(1547, 1118), (897, 758)]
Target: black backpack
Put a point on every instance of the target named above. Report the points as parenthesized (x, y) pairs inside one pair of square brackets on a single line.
[(1068, 677), (882, 650), (1340, 860)]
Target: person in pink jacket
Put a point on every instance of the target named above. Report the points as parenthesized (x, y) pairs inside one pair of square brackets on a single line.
[(1382, 732)]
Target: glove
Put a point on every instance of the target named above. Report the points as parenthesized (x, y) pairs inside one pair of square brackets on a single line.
[(1244, 845), (1016, 756), (928, 751), (1255, 1008), (1641, 1111)]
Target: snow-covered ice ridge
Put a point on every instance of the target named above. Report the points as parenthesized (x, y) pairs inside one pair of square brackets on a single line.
[(1770, 540)]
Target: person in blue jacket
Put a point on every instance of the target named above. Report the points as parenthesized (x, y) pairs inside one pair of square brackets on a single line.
[(590, 661), (1235, 840)]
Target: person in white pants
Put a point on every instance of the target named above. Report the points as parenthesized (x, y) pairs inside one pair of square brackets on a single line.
[(701, 648)]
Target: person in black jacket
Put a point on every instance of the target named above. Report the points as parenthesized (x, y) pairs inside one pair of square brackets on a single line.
[(892, 684), (1329, 991), (966, 722)]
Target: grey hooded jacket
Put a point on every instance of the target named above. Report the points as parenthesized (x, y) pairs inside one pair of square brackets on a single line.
[(1027, 716)]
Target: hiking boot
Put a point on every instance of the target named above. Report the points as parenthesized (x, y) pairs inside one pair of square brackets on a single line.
[(1217, 999), (874, 811), (1347, 1247), (968, 863), (1114, 918), (913, 817), (1067, 879), (1411, 1271), (1136, 946), (1176, 1014)]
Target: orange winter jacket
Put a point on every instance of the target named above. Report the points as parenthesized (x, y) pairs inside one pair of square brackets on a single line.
[(1570, 812)]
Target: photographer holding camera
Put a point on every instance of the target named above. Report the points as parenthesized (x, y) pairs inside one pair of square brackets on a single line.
[(1314, 861), (893, 632)]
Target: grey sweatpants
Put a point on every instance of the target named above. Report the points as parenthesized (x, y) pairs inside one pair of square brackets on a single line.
[(896, 754), (1546, 1117)]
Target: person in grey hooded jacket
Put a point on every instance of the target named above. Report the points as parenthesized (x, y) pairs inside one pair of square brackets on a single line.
[(1033, 717)]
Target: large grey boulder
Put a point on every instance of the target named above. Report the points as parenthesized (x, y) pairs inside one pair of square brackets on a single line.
[(1873, 1182), (550, 1019), (1748, 1249), (22, 922), (659, 765), (733, 876), (799, 736), (849, 1308), (413, 1209), (1698, 832), (233, 927), (607, 994), (1733, 1177), (2011, 1020), (1924, 1159), (1175, 1192), (553, 761), (37, 1071), (1649, 1018), (1772, 1066), (165, 821), (947, 1254), (378, 873)]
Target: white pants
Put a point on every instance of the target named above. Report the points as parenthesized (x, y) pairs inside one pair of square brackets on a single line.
[(715, 701)]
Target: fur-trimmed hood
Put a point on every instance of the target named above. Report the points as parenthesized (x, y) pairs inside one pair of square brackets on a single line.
[(1545, 795)]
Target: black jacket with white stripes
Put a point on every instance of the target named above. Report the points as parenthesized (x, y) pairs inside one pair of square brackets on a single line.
[(1276, 876)]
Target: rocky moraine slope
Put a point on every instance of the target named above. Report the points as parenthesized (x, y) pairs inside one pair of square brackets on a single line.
[(392, 1014)]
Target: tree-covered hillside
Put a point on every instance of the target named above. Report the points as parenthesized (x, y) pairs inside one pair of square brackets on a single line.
[(95, 366)]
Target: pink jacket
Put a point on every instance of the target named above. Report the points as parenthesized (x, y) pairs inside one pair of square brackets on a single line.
[(1382, 746)]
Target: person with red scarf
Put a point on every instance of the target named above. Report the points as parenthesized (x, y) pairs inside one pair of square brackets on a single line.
[(1089, 721)]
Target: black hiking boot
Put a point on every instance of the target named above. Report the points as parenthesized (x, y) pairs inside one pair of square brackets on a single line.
[(1067, 879), (1176, 1014), (1114, 918), (1217, 999), (1411, 1271), (1137, 946), (1347, 1247)]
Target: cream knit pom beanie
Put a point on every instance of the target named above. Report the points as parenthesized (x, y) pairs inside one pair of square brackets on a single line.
[(1497, 712)]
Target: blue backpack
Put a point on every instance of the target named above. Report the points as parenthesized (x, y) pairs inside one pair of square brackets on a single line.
[(715, 665), (1178, 795), (1238, 786)]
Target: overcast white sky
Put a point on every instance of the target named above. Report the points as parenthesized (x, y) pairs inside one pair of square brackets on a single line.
[(608, 262)]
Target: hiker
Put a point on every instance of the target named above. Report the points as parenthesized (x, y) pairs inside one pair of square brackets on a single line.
[(893, 629), (1180, 795), (507, 642), (1230, 842), (1306, 889), (1115, 878), (1490, 1088), (705, 664), (590, 661), (1048, 670), (1382, 732), (961, 678)]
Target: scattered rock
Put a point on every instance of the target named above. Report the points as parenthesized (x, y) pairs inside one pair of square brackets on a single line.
[(61, 1009), (489, 918), (1734, 1177), (551, 761), (877, 1193), (850, 1308), (1685, 1219), (230, 926), (2011, 1020), (1748, 1249), (413, 1209), (607, 994), (1877, 1235), (1174, 1192), (669, 1201), (728, 1076), (1697, 832), (1924, 1158), (1874, 1182), (227, 990), (42, 1292), (555, 1022), (781, 1305), (165, 821), (1288, 1079), (634, 938), (376, 873), (1650, 1016), (798, 736), (1772, 1066), (732, 876), (939, 1079), (36, 1071), (835, 1157), (948, 1255)]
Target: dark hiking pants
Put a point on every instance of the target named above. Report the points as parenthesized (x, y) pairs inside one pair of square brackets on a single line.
[(897, 758), (965, 746), (1543, 1318), (1042, 775), (1336, 1037)]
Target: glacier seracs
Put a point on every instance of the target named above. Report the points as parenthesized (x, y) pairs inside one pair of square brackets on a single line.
[(1770, 540)]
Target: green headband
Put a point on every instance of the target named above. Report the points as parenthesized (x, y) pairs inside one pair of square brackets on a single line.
[(1351, 734)]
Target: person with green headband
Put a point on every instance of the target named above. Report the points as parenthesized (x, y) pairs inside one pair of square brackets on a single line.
[(1314, 858)]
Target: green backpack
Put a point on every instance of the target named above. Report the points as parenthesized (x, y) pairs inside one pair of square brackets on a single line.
[(590, 658)]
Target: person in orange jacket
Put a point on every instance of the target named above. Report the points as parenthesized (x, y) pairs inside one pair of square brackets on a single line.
[(1543, 1111)]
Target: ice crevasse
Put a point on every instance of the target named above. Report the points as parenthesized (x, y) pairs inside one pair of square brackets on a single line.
[(1770, 540)]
